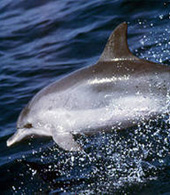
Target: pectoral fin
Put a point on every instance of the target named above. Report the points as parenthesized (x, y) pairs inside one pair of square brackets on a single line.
[(66, 141)]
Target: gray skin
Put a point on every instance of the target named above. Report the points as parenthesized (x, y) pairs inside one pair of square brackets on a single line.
[(119, 91)]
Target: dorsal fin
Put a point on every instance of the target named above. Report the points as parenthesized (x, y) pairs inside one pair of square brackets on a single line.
[(117, 47)]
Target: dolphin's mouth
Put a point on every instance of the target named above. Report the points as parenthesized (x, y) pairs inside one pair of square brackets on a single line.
[(11, 140), (18, 136), (24, 133)]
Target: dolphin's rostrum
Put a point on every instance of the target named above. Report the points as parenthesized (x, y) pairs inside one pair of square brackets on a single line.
[(116, 93)]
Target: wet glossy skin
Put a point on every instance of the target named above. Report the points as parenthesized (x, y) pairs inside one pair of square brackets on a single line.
[(115, 93)]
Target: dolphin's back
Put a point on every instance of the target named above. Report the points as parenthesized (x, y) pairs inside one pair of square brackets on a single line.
[(115, 62), (117, 92)]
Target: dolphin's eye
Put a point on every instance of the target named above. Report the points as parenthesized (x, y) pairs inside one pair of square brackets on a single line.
[(28, 126)]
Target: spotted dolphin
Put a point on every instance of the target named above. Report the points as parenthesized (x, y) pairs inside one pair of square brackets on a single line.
[(118, 92)]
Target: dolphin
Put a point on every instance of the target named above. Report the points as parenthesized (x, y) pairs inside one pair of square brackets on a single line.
[(118, 92)]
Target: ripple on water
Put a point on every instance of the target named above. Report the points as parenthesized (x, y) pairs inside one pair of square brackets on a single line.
[(40, 41)]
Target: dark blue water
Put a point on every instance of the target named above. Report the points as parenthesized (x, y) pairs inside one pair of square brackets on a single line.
[(43, 40)]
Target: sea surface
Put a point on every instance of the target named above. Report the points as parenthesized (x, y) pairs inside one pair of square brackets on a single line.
[(43, 40)]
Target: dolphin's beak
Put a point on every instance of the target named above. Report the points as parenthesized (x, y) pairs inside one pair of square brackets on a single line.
[(12, 140), (18, 136)]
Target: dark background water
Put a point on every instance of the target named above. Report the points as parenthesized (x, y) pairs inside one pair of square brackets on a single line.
[(42, 40)]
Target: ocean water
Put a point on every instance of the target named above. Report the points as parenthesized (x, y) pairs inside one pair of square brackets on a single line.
[(44, 40)]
